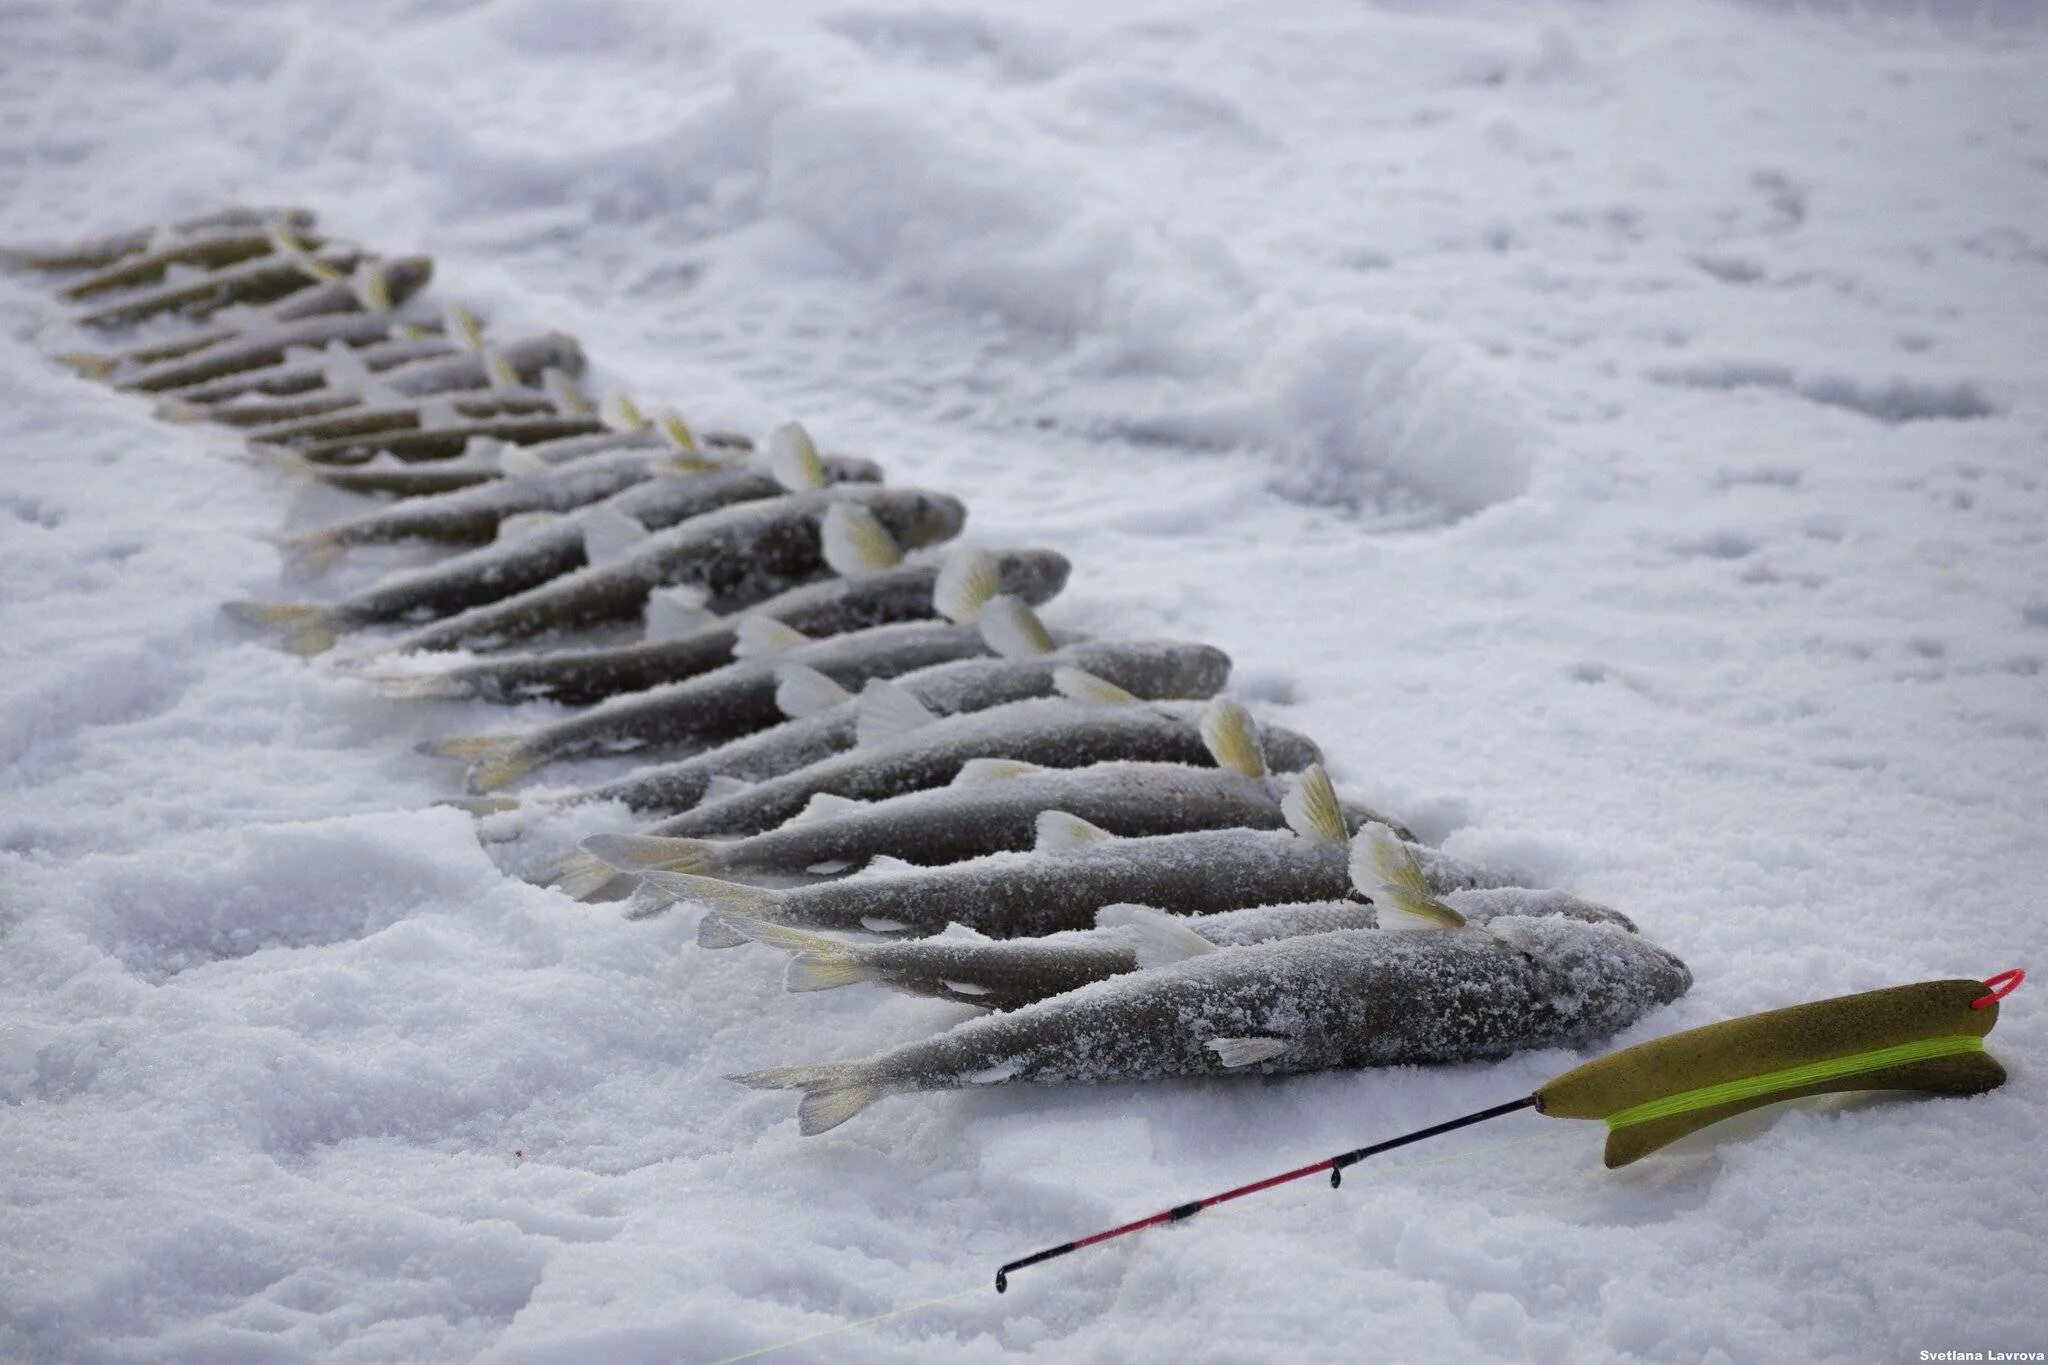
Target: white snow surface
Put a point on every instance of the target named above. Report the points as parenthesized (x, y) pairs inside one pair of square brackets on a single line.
[(1615, 431)]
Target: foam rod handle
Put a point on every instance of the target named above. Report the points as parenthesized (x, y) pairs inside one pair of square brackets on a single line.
[(1922, 1037)]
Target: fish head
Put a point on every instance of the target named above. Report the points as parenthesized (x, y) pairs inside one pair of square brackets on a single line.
[(1605, 978), (1159, 670), (407, 276), (851, 469), (1285, 750), (1032, 576), (559, 350), (918, 516)]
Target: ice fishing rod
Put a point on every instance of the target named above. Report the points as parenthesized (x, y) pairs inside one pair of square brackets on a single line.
[(1927, 1037)]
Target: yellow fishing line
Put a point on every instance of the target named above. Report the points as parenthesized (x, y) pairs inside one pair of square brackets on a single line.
[(1791, 1078)]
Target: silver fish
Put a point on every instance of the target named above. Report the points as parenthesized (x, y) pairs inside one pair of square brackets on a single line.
[(904, 746), (253, 350), (739, 556), (1006, 974), (297, 385), (1151, 669), (212, 250), (1074, 871), (1353, 998), (259, 280), (459, 408), (525, 563), (578, 677), (992, 806), (397, 282), (450, 441), (713, 707), (97, 252)]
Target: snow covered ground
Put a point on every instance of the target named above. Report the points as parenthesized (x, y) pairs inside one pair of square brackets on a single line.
[(1616, 432)]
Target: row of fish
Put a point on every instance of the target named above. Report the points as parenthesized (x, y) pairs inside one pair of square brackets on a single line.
[(865, 746)]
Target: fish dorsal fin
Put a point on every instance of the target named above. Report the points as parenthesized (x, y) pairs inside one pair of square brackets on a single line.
[(372, 287), (564, 392), (462, 327), (498, 371), (801, 690), (517, 462), (1078, 684), (440, 411), (1012, 629), (675, 612), (888, 712), (676, 431), (1236, 1053), (723, 785), (856, 542), (1058, 831), (523, 524), (609, 535), (1232, 738), (1310, 807), (756, 636), (967, 582), (343, 369), (1161, 938), (977, 771), (1384, 869), (825, 806), (621, 413), (793, 458)]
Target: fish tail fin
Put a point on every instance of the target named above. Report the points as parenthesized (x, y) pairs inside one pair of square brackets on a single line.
[(483, 805), (313, 553), (820, 964), (580, 876), (653, 853), (755, 902), (182, 410), (402, 684), (307, 627), (833, 1092), (495, 760), (87, 364)]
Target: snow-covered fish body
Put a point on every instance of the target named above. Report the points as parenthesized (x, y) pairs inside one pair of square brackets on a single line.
[(98, 252), (833, 606), (1045, 891), (714, 707), (1153, 669), (1052, 732), (482, 463), (996, 810), (209, 250), (1354, 998), (448, 442), (366, 420), (740, 556), (472, 515), (1007, 974), (259, 280), (522, 563), (257, 349), (298, 386)]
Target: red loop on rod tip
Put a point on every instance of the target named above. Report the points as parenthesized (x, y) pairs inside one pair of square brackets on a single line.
[(2002, 985)]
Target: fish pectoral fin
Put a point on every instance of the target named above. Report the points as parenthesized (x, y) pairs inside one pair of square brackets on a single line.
[(462, 327), (1237, 1053), (1012, 630), (793, 458), (621, 413), (564, 392), (1232, 737), (1058, 831), (801, 690), (756, 636), (967, 582), (723, 785), (1161, 937), (523, 524), (1310, 807), (672, 613), (888, 712), (1078, 684), (610, 535), (856, 542), (1384, 869), (976, 771), (677, 432), (824, 806)]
